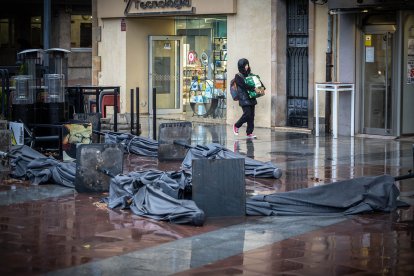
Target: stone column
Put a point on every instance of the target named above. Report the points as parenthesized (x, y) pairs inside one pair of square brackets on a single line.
[(278, 97), (96, 60)]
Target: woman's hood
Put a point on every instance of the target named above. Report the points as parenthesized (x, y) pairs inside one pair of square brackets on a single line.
[(241, 64)]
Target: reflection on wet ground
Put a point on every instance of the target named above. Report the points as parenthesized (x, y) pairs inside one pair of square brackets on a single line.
[(361, 246), (45, 234)]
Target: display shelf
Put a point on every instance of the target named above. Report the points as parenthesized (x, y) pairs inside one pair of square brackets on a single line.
[(191, 74), (205, 85), (220, 65)]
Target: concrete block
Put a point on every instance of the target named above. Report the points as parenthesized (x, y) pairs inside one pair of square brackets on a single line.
[(5, 140), (91, 161), (168, 134)]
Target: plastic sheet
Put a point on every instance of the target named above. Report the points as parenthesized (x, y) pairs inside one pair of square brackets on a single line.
[(28, 163), (252, 167), (348, 197), (155, 194), (133, 144)]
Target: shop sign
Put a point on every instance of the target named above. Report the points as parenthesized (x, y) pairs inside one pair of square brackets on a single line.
[(204, 58), (191, 56), (150, 7), (368, 40), (410, 61), (17, 131), (123, 25), (369, 54)]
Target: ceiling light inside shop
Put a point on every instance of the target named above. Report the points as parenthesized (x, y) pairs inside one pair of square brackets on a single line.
[(212, 20)]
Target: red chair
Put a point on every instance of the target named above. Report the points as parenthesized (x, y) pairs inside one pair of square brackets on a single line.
[(107, 100)]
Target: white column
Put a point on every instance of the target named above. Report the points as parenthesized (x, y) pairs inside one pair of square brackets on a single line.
[(335, 112), (352, 110), (316, 110)]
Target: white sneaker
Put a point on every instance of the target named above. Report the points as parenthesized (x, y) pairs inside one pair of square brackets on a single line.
[(235, 130)]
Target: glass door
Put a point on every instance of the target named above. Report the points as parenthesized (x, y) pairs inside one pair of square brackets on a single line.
[(377, 83), (165, 74)]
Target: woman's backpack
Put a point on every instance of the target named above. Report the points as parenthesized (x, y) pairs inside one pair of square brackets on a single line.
[(234, 90)]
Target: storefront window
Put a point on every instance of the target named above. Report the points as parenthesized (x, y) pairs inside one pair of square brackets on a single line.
[(81, 31), (4, 33), (36, 32), (205, 64)]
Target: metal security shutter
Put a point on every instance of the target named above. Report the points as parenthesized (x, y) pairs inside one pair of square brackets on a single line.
[(297, 63)]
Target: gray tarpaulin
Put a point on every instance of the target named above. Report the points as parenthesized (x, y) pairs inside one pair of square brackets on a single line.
[(134, 144), (148, 147), (216, 151), (21, 156), (154, 194), (158, 194), (49, 170), (29, 163), (349, 197)]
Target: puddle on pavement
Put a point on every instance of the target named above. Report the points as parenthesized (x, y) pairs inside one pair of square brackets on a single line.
[(61, 232), (7, 183)]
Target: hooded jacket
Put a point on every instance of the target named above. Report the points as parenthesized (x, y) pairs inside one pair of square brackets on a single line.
[(244, 98)]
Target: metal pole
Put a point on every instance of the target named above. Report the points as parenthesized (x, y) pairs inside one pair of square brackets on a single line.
[(7, 93), (3, 92), (387, 36), (137, 105), (46, 28), (154, 113), (328, 77), (97, 103), (132, 110), (61, 144), (402, 177), (78, 100), (95, 32), (116, 93)]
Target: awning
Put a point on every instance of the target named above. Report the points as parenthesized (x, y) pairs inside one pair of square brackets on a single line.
[(359, 6)]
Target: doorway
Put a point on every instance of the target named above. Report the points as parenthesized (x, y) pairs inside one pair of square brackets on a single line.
[(297, 61), (165, 74), (378, 80)]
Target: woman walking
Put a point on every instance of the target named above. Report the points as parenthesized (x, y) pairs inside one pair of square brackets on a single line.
[(247, 104)]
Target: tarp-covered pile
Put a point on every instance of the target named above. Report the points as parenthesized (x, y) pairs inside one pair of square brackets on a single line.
[(28, 163), (348, 197), (252, 167), (155, 194), (133, 144), (148, 147), (160, 195)]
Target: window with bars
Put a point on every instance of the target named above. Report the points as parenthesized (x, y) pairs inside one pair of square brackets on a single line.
[(297, 63)]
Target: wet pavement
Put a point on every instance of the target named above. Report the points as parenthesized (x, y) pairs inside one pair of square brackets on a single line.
[(50, 229)]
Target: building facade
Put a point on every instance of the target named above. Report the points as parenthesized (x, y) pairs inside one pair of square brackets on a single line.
[(374, 48), (291, 45), (189, 54), (45, 24)]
